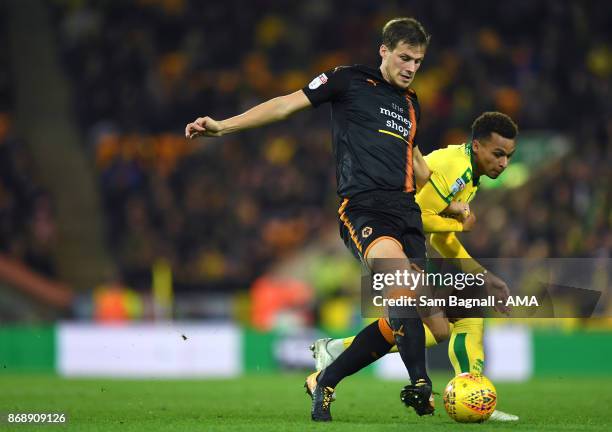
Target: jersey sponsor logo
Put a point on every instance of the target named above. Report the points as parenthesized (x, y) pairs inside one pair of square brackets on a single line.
[(366, 232), (403, 124), (317, 82)]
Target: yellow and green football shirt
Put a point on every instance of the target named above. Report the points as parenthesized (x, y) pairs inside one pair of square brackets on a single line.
[(452, 179)]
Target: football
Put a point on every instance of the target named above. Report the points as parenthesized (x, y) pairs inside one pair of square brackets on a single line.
[(470, 398)]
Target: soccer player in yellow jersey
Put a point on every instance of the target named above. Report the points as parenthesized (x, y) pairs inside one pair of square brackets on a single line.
[(444, 202)]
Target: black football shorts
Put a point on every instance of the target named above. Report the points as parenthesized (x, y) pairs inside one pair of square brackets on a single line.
[(371, 216)]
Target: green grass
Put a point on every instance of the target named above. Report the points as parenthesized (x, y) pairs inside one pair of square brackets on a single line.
[(277, 403)]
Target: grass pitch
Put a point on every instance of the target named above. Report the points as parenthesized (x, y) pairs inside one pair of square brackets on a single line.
[(278, 403)]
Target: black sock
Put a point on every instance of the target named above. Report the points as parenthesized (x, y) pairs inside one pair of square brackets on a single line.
[(410, 340), (368, 346)]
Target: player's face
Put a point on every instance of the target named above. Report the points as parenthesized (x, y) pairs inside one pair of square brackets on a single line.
[(400, 65), (492, 155)]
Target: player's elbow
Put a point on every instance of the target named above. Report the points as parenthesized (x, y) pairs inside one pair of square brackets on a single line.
[(282, 107), (291, 103)]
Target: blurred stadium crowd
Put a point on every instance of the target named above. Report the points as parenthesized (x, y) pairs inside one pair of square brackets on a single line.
[(223, 211), (27, 225)]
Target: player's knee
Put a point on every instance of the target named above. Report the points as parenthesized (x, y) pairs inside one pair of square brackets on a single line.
[(441, 334), (385, 247), (381, 249), (440, 329)]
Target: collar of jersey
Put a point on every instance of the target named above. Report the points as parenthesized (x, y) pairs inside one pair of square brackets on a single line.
[(469, 153), (376, 73)]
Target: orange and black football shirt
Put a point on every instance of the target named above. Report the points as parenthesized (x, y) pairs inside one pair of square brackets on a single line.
[(373, 129)]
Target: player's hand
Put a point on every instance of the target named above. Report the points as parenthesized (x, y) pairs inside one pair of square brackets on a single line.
[(496, 287), (469, 222), (203, 126), (459, 210)]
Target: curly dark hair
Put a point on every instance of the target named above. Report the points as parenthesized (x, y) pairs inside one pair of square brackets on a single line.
[(494, 121), (406, 30)]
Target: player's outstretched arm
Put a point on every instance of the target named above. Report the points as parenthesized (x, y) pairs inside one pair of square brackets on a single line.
[(270, 111)]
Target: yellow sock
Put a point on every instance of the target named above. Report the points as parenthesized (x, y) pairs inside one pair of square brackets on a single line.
[(465, 348)]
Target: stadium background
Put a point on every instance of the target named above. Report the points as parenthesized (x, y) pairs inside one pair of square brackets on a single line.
[(127, 251)]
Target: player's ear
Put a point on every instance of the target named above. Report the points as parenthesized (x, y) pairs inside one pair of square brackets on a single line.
[(475, 145), (383, 51)]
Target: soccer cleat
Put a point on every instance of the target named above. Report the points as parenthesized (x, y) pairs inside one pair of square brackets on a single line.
[(418, 396), (311, 383), (500, 416), (322, 397), (325, 351)]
